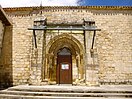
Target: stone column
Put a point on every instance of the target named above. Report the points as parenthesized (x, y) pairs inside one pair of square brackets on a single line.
[(86, 53), (46, 66), (49, 65), (78, 66), (44, 59), (82, 65), (91, 66)]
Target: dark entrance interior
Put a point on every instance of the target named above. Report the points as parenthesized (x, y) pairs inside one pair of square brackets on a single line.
[(64, 66)]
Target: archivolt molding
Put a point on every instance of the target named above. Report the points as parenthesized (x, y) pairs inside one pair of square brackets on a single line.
[(64, 40)]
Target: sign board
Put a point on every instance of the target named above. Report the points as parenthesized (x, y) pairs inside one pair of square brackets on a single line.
[(64, 66)]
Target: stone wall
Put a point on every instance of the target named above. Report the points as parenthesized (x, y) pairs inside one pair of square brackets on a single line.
[(113, 42), (22, 47), (114, 46), (1, 34), (6, 70)]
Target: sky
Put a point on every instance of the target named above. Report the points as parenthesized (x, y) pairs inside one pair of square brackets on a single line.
[(28, 3)]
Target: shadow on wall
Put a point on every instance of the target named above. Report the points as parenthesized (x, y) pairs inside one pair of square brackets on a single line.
[(6, 76)]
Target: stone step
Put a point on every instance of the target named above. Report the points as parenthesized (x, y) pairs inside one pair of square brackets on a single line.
[(66, 92), (27, 93), (5, 96), (73, 89)]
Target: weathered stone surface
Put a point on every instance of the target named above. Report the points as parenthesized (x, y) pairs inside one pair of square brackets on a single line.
[(112, 48)]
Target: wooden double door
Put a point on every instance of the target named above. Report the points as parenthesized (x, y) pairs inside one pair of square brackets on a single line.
[(64, 69)]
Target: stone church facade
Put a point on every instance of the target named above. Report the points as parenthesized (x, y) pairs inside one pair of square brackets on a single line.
[(79, 45)]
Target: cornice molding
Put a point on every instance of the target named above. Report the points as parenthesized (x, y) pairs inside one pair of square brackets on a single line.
[(69, 7)]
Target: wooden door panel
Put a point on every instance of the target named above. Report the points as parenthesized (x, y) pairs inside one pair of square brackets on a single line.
[(65, 75), (64, 69)]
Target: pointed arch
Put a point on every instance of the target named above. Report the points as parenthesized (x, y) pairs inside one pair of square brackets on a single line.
[(64, 40), (55, 45)]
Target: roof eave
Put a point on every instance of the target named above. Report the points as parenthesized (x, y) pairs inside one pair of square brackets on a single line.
[(4, 17)]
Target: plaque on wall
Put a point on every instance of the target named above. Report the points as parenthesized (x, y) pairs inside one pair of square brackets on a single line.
[(64, 66)]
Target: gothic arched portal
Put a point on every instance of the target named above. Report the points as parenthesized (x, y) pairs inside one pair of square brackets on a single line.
[(64, 66), (76, 49)]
